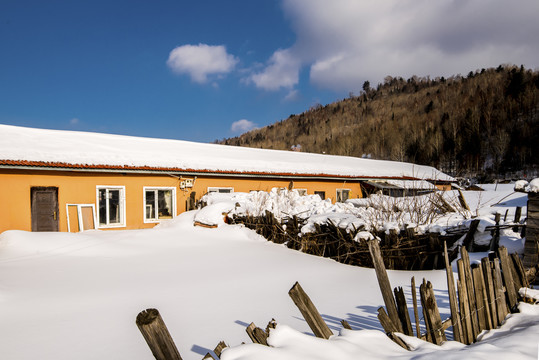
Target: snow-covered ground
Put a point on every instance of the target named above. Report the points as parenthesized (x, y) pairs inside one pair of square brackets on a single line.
[(65, 296)]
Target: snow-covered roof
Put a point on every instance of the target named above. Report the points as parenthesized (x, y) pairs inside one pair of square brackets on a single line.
[(403, 184), (21, 146)]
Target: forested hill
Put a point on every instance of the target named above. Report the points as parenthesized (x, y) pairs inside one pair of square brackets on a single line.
[(482, 123)]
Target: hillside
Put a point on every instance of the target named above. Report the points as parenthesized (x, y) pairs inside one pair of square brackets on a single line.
[(482, 124)]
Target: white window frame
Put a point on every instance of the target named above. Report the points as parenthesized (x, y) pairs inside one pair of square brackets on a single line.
[(157, 220), (339, 192), (123, 215), (79, 216), (217, 188)]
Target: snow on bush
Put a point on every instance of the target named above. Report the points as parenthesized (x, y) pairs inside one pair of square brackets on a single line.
[(533, 186), (375, 213), (520, 185), (524, 186)]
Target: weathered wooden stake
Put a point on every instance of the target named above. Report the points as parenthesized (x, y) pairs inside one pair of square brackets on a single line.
[(428, 301), (428, 328), (516, 220), (468, 281), (490, 289), (156, 334), (520, 270), (219, 348), (464, 304), (256, 334), (309, 312), (383, 282), (495, 242), (501, 305), (402, 308), (389, 327), (507, 268), (453, 304), (478, 292), (416, 315), (345, 324), (468, 241)]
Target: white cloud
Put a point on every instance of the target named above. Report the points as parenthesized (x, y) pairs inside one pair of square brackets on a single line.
[(242, 126), (281, 72), (293, 95), (200, 61), (345, 42)]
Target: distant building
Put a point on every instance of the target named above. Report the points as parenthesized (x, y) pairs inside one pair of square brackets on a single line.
[(55, 180)]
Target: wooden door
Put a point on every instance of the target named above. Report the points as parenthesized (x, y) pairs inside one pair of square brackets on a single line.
[(44, 202)]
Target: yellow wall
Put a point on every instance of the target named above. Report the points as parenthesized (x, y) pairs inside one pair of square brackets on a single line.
[(76, 187)]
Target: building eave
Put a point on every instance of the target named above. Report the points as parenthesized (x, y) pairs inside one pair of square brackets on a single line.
[(57, 166)]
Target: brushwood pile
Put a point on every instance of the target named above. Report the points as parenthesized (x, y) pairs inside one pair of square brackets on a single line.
[(412, 230)]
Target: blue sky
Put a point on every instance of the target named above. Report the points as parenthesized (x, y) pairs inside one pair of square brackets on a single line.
[(205, 70)]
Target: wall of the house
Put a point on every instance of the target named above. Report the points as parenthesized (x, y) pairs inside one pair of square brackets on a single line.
[(443, 186), (76, 187)]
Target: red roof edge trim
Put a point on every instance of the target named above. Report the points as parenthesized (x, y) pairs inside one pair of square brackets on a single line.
[(61, 165)]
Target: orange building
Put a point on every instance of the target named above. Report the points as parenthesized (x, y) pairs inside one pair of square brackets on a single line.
[(71, 181)]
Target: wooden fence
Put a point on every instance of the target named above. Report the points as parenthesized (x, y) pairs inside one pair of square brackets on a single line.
[(484, 294), (403, 250)]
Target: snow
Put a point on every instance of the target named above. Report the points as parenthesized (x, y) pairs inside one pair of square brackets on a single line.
[(67, 295), (85, 148), (530, 293), (411, 184), (520, 185), (533, 186)]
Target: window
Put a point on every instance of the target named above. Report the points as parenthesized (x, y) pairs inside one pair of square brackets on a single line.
[(111, 206), (159, 203), (343, 195), (301, 192), (322, 194), (80, 217), (223, 190)]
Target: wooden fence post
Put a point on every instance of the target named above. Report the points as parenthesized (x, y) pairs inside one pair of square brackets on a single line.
[(389, 327), (501, 305), (507, 268), (383, 282), (520, 270), (416, 315), (257, 335), (490, 289), (479, 292), (346, 325), (428, 301), (468, 241), (309, 312), (516, 220), (219, 348), (495, 242), (156, 334), (468, 282), (464, 304), (453, 304), (402, 308)]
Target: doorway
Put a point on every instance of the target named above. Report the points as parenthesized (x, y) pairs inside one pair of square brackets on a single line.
[(44, 202)]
